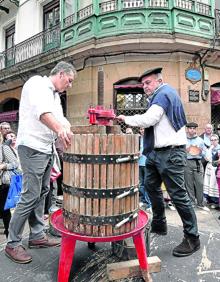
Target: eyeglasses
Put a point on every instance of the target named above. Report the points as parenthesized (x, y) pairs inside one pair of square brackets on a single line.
[(213, 139)]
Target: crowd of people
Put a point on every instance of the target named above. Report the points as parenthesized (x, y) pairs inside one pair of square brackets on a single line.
[(201, 175)]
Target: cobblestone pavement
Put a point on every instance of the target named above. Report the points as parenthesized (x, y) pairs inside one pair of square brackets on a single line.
[(90, 265)]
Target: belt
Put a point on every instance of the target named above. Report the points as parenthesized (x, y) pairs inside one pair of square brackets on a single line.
[(170, 147)]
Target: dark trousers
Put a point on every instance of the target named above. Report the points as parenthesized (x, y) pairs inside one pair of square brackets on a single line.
[(36, 167), (144, 198), (168, 166), (5, 214)]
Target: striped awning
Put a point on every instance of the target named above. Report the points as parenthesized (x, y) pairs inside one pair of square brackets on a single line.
[(9, 116)]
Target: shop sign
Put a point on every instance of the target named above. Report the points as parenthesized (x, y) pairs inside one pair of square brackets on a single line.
[(193, 96), (193, 74)]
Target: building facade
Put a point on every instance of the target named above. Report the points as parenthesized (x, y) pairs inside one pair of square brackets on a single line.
[(111, 43)]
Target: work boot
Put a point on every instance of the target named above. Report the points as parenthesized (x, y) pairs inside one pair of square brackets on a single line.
[(18, 254), (45, 242), (188, 246), (159, 229)]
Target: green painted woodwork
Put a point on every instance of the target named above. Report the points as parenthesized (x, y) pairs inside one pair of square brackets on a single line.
[(116, 17)]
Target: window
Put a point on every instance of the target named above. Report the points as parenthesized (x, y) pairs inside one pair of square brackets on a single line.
[(68, 4), (9, 37), (51, 14), (129, 99), (51, 22), (9, 44)]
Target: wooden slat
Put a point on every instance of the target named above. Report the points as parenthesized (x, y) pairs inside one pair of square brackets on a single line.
[(117, 178), (82, 181), (76, 175), (128, 183), (103, 182), (110, 179), (136, 171), (123, 179), (133, 202), (131, 268), (89, 129), (96, 181), (71, 203), (89, 179), (113, 129)]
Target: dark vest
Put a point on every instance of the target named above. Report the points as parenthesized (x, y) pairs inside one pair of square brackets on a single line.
[(167, 98)]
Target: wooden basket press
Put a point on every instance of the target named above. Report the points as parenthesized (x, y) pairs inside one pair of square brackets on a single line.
[(94, 175)]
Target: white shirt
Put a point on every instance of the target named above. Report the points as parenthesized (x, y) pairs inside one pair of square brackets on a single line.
[(164, 133), (38, 97)]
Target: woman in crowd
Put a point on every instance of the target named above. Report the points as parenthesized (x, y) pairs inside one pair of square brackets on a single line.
[(210, 188), (8, 163)]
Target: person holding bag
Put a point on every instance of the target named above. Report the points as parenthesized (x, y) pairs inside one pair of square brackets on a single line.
[(9, 162)]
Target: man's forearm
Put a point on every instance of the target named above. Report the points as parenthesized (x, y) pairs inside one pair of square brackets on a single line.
[(50, 121), (150, 118)]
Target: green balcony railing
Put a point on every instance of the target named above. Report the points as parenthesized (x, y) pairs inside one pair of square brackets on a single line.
[(34, 46), (115, 17)]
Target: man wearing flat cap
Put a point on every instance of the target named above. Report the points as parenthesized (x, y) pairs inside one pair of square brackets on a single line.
[(164, 146), (194, 172)]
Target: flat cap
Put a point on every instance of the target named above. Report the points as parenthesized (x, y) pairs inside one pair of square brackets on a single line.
[(149, 72), (192, 124)]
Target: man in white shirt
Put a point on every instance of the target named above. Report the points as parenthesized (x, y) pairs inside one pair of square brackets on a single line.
[(206, 136), (41, 121), (164, 146)]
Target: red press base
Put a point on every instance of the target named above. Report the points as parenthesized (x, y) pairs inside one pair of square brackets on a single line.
[(69, 241)]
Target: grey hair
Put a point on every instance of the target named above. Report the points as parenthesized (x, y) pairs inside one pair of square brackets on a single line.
[(4, 123), (215, 136), (63, 66), (159, 76)]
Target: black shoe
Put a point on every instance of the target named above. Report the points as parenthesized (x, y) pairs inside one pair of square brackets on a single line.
[(6, 234), (187, 247), (159, 229)]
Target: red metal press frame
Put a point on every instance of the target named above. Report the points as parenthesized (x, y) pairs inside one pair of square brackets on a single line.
[(100, 116), (69, 239)]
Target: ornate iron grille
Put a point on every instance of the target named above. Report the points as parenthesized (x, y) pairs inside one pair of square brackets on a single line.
[(129, 103), (215, 116)]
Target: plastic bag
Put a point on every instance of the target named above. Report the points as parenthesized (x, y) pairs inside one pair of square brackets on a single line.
[(14, 191), (55, 173)]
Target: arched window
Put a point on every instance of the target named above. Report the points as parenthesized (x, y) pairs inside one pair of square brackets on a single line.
[(9, 112), (129, 98)]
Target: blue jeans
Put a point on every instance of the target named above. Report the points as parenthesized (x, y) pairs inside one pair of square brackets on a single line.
[(144, 198)]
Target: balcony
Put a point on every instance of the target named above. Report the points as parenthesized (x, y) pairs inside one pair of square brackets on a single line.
[(123, 17), (119, 17), (43, 42)]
